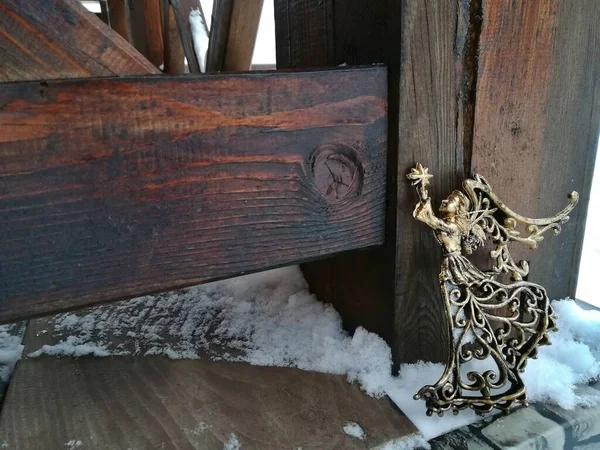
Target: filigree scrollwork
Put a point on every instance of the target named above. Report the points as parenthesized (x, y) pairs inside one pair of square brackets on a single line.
[(494, 326)]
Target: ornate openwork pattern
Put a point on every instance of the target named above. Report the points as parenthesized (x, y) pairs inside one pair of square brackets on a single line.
[(492, 324)]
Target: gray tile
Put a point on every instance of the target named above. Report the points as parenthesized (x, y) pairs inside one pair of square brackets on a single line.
[(525, 429), (461, 439)]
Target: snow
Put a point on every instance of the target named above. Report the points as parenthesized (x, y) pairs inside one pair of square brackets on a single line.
[(72, 444), (233, 443), (199, 37), (353, 429), (408, 443), (271, 319), (11, 336)]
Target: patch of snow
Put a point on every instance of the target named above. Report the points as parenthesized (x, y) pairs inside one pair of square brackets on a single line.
[(200, 37), (201, 428), (353, 429), (71, 347), (415, 442), (72, 444), (11, 349), (4, 444), (233, 443)]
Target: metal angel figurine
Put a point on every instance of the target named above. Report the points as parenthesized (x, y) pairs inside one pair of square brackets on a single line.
[(495, 325)]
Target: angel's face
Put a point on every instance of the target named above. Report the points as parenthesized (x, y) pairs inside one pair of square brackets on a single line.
[(450, 206)]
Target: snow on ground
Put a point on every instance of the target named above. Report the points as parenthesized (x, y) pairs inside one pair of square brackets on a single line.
[(271, 319), (355, 430), (11, 336)]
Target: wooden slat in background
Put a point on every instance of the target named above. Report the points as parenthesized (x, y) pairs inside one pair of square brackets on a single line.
[(115, 188), (61, 39), (233, 34)]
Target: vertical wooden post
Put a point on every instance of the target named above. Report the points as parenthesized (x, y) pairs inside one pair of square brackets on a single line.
[(393, 290)]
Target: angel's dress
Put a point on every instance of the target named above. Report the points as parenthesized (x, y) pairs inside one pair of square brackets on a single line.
[(472, 299)]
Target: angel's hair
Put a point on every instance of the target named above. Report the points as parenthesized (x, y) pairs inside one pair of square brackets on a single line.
[(462, 218)]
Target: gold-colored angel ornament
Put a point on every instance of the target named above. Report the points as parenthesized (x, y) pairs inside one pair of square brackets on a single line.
[(495, 325)]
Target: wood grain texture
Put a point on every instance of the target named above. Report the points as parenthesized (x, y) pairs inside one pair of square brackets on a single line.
[(394, 290), (537, 119), (182, 9), (174, 55), (233, 34), (118, 11), (154, 31), (131, 186), (153, 402), (435, 122), (61, 39), (308, 34)]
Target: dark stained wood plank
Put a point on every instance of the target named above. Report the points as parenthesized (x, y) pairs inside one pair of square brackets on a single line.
[(182, 9), (119, 187), (154, 402), (233, 34), (118, 11), (537, 119), (154, 32), (61, 39), (174, 55), (393, 290)]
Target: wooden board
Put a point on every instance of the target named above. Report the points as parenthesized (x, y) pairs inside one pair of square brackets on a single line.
[(153, 402), (537, 120), (61, 39), (394, 290), (119, 187)]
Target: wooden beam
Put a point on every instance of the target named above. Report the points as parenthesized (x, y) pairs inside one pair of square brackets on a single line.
[(537, 120), (233, 34), (61, 39), (393, 290), (118, 11), (120, 187), (174, 54), (154, 32)]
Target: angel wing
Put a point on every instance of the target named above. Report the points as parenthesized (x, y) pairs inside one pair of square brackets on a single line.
[(492, 219)]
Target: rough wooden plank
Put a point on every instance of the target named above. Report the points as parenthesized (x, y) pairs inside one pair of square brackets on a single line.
[(61, 39), (233, 34), (154, 32), (537, 118), (154, 402), (118, 11), (393, 290), (118, 187), (182, 9), (435, 129)]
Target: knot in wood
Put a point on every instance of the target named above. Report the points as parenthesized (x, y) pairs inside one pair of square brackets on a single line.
[(337, 171)]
